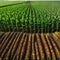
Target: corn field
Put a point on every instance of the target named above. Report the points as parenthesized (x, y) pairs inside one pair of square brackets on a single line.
[(30, 18)]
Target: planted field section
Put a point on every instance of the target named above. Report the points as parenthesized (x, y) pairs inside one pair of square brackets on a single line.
[(8, 3), (25, 46), (34, 17)]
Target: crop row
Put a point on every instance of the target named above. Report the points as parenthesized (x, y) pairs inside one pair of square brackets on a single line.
[(24, 46), (28, 18)]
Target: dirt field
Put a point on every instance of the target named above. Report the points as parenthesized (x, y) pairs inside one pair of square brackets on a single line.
[(18, 46)]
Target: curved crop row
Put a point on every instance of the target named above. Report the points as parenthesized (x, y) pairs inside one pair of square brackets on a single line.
[(19, 45)]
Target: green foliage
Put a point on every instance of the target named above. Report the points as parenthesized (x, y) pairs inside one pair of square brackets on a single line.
[(29, 18)]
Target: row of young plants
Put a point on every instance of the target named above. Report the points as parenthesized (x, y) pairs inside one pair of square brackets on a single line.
[(28, 18), (49, 19), (10, 17)]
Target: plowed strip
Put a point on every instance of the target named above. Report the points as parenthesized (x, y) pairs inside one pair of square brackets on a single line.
[(42, 57), (29, 46), (33, 48)]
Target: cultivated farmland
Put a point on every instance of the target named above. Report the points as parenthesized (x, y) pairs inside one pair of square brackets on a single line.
[(30, 31), (18, 46), (30, 17)]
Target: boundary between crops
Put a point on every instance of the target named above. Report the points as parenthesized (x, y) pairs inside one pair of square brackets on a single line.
[(11, 4)]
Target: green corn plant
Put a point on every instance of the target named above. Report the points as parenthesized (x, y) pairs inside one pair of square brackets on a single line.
[(30, 18)]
